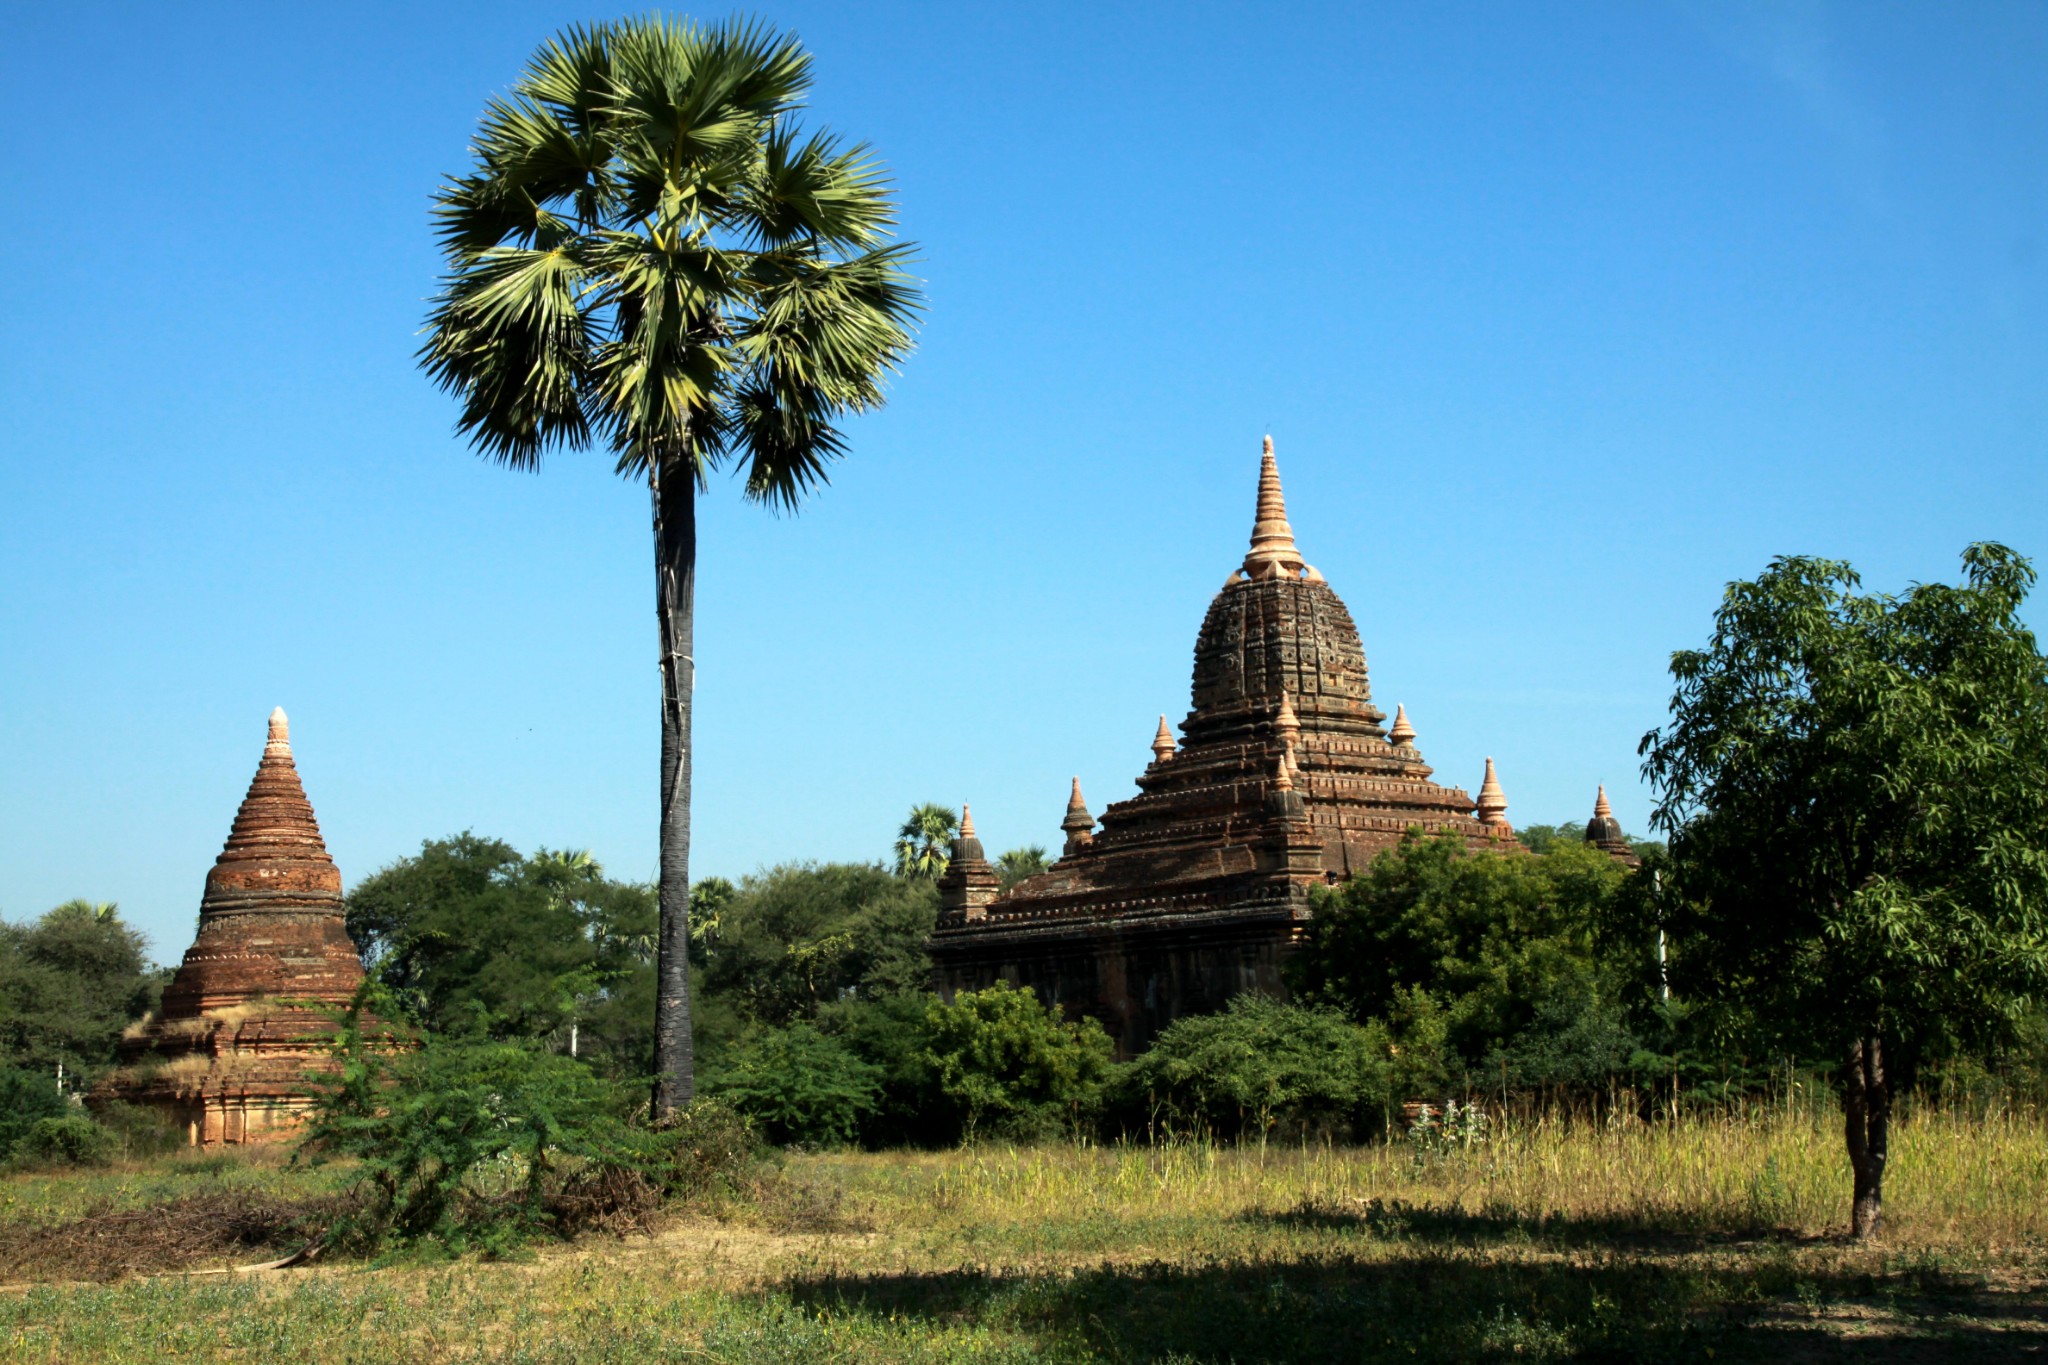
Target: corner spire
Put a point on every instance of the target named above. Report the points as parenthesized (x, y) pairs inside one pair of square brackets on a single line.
[(1493, 802), (1272, 553), (1079, 824), (1286, 724), (1402, 735), (1162, 743)]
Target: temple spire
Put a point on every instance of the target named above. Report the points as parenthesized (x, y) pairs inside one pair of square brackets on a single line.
[(1402, 735), (280, 741), (1272, 552), (1601, 810), (1493, 802), (966, 821), (1162, 743), (1079, 824), (1286, 724)]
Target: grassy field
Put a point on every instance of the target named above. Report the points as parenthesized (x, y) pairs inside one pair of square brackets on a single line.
[(1709, 1240)]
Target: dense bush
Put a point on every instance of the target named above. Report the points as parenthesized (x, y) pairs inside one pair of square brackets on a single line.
[(26, 1099), (1009, 1066), (67, 1140), (892, 1034), (464, 1141), (798, 1085), (1258, 1068), (1486, 968)]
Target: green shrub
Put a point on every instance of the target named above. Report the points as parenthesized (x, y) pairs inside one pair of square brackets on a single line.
[(800, 1086), (1007, 1065), (1262, 1066), (68, 1140), (26, 1098)]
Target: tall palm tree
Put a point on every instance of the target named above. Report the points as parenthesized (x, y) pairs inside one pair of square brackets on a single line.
[(649, 255), (924, 843)]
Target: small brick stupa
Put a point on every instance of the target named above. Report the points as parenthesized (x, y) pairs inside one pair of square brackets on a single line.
[(1285, 778), (242, 1023)]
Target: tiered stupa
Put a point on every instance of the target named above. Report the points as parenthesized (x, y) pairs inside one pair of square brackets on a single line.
[(242, 1022), (1604, 832), (1285, 777)]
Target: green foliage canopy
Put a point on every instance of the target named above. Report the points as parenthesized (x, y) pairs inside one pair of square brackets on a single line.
[(795, 938), (1262, 1065), (69, 983), (1008, 1064), (799, 1085), (1485, 960), (1856, 789), (469, 935)]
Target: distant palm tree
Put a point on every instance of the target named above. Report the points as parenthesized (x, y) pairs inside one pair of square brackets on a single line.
[(1019, 863), (924, 845), (650, 256)]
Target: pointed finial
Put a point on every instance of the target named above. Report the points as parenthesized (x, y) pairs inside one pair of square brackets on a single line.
[(966, 821), (1601, 810), (1285, 724), (1283, 774), (1162, 743), (1272, 553), (1493, 802), (280, 740), (1079, 824), (1402, 735)]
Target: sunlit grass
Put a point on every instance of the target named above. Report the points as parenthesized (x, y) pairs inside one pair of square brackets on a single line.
[(1550, 1240)]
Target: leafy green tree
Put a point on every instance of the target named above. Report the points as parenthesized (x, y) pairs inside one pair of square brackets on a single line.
[(1856, 790), (1490, 952), (469, 935), (69, 983), (1019, 863), (650, 254), (924, 843), (1262, 1065), (1008, 1064), (798, 937), (799, 1085)]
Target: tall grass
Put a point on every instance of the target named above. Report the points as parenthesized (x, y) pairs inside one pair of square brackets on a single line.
[(1555, 1238)]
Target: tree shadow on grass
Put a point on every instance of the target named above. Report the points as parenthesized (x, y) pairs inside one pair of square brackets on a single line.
[(1461, 1303)]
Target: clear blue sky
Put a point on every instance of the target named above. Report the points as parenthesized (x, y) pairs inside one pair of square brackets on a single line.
[(1560, 316)]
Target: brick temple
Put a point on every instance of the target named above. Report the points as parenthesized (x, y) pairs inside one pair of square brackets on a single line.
[(243, 1023), (1285, 777)]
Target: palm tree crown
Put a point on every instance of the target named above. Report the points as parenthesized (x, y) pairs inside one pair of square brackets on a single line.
[(924, 843), (650, 253)]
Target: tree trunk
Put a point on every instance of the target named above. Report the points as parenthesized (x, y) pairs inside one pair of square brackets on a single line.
[(675, 568), (1867, 1106)]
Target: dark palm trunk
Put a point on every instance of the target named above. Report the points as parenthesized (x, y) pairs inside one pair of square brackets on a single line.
[(1867, 1105), (675, 568)]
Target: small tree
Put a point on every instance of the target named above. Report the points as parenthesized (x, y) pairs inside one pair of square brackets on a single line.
[(1856, 789)]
